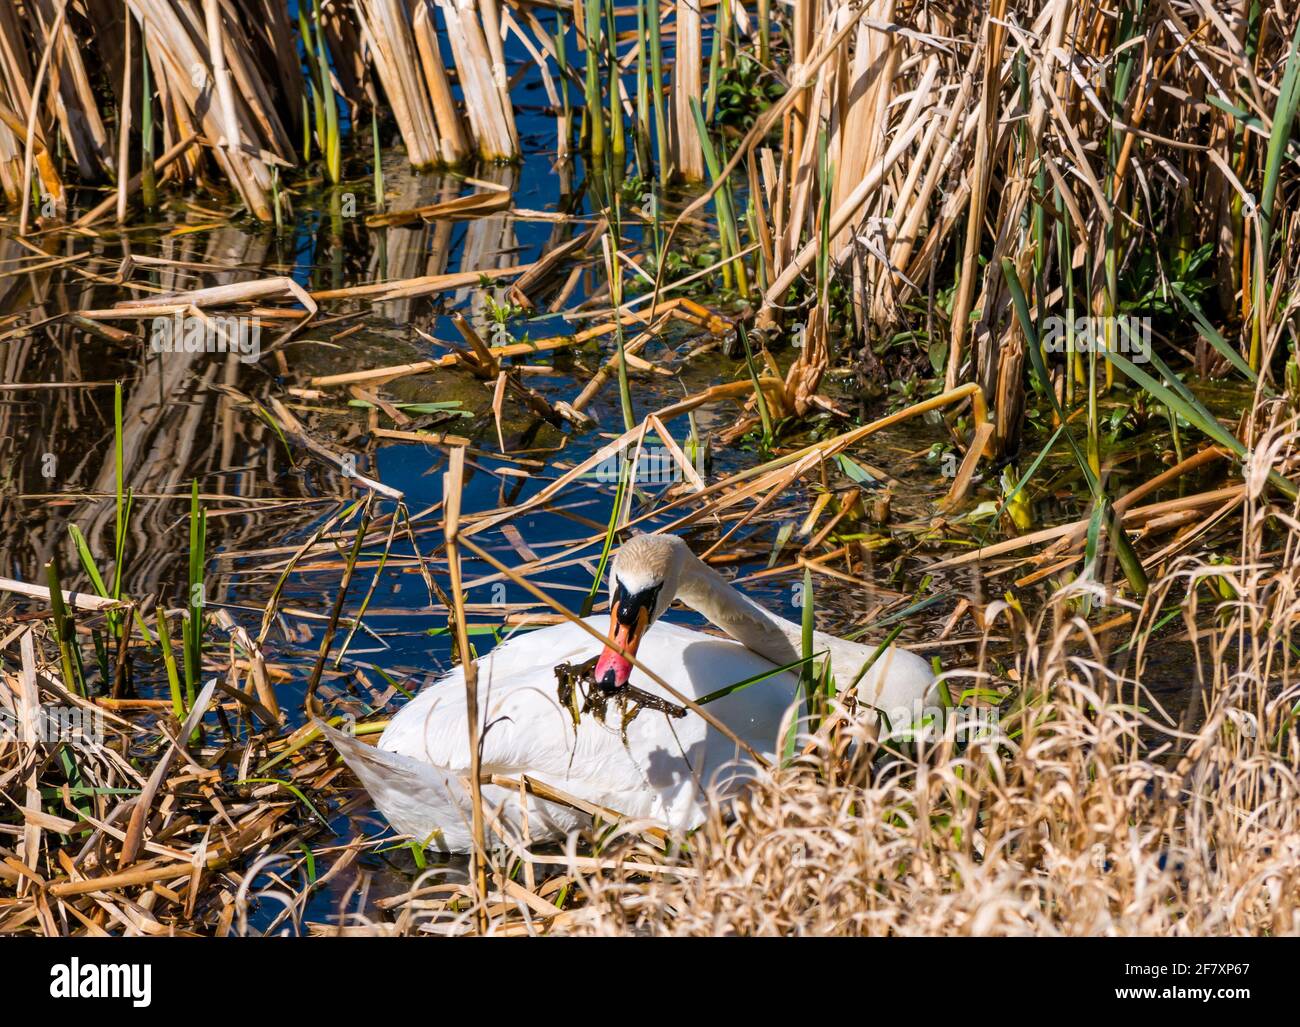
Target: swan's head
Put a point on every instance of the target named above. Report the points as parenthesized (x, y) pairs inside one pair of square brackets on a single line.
[(642, 582)]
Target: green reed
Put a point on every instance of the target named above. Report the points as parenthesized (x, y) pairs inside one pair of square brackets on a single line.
[(324, 101), (148, 182), (617, 136), (592, 110), (195, 597), (657, 89), (734, 274), (179, 707), (65, 630)]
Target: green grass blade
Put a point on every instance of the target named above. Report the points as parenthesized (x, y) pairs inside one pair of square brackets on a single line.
[(1211, 335), (1124, 551)]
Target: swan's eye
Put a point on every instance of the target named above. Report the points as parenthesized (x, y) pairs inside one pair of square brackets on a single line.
[(627, 606)]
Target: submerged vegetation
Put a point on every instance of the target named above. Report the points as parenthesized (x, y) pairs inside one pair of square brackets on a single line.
[(968, 325)]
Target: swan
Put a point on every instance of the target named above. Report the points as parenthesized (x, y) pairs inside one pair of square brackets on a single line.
[(655, 767)]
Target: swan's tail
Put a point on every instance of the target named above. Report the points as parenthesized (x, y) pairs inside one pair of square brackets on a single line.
[(421, 801), (431, 805)]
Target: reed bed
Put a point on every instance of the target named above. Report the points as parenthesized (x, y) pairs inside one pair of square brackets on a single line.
[(1090, 809), (885, 221)]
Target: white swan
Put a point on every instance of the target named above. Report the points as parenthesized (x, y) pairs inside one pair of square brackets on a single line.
[(659, 767)]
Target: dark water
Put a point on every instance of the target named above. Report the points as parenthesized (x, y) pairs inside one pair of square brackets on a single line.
[(56, 447)]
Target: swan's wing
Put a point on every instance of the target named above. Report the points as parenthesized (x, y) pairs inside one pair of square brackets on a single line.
[(900, 683), (431, 806), (653, 766), (523, 727), (518, 702), (419, 799)]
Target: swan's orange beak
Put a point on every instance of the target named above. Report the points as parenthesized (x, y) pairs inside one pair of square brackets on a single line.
[(627, 623)]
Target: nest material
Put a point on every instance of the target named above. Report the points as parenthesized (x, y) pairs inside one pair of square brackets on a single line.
[(580, 693)]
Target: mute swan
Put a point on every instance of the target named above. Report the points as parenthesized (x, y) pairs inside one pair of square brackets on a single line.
[(658, 767)]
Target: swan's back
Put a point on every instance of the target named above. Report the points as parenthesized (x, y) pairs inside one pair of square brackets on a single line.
[(656, 768)]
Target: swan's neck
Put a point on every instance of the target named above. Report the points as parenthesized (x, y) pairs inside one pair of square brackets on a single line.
[(896, 677), (705, 590)]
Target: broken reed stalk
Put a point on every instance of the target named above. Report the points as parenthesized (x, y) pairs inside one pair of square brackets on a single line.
[(452, 490), (229, 137), (35, 105), (763, 124), (475, 39), (688, 155), (193, 58), (453, 144), (124, 125), (407, 61)]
